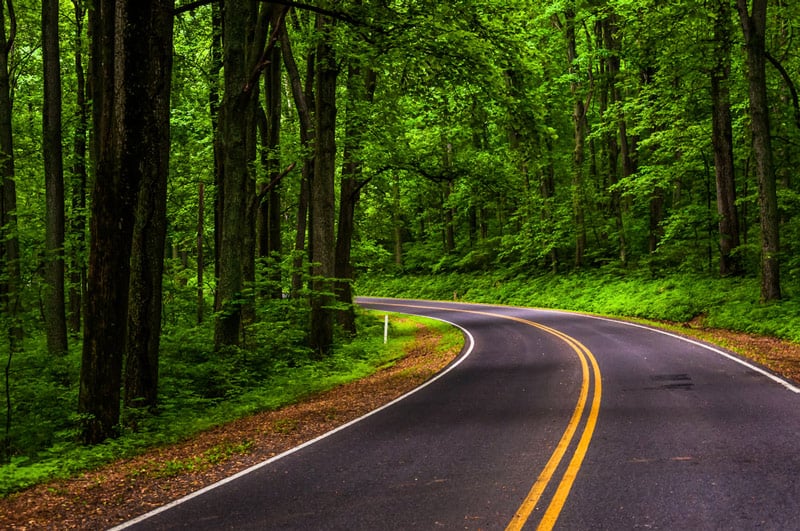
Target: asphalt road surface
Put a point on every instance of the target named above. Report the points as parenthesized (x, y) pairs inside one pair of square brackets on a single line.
[(548, 419)]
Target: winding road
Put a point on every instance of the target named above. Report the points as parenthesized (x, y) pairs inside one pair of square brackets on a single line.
[(547, 419)]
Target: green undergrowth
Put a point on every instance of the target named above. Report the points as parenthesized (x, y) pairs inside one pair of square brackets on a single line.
[(728, 303), (199, 390)]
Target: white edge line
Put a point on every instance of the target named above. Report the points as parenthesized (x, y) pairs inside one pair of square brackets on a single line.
[(774, 377), (785, 383), (164, 508)]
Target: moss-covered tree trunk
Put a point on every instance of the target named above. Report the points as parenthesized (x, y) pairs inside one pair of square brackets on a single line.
[(323, 202), (754, 27), (236, 120), (54, 305), (722, 141)]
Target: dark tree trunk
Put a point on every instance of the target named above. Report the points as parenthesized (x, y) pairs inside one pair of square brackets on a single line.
[(54, 300), (449, 236), (578, 154), (610, 95), (722, 142), (10, 281), (150, 145), (303, 101), (397, 221), (9, 243), (236, 124), (270, 207), (754, 27), (77, 269), (214, 111), (361, 88), (114, 198), (322, 203), (201, 227)]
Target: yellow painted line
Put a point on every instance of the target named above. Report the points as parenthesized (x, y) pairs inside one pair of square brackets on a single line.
[(560, 497), (545, 477)]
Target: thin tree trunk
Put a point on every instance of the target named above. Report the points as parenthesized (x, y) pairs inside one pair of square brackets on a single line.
[(214, 111), (54, 305), (201, 205), (578, 154), (77, 269), (754, 29), (9, 242), (270, 208), (361, 88), (303, 101), (722, 142)]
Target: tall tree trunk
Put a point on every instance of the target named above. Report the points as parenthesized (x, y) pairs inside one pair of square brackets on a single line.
[(10, 282), (236, 124), (214, 112), (303, 99), (322, 204), (397, 221), (201, 227), (579, 133), (754, 28), (77, 267), (115, 116), (360, 90), (722, 142), (270, 207), (9, 242), (54, 305), (612, 96), (151, 140)]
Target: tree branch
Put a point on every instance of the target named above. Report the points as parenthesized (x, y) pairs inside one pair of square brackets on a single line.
[(191, 6), (274, 182), (778, 66), (339, 15), (263, 61)]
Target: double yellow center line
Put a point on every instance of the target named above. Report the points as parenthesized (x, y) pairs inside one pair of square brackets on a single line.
[(590, 380), (558, 499)]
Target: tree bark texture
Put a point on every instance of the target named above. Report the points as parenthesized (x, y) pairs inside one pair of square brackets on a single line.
[(121, 69), (9, 243), (113, 205), (78, 183), (360, 91), (270, 207), (722, 142), (236, 124), (322, 203), (754, 28), (150, 144), (304, 100), (54, 306), (578, 154)]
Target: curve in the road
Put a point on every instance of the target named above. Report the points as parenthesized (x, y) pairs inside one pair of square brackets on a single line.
[(685, 439), (590, 379), (466, 351)]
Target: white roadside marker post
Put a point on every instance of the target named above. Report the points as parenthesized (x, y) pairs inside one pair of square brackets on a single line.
[(385, 328)]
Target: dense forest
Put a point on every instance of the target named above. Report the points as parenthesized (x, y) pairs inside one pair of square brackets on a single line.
[(191, 191)]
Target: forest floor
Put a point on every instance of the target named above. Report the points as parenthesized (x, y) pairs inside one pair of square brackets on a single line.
[(122, 490)]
